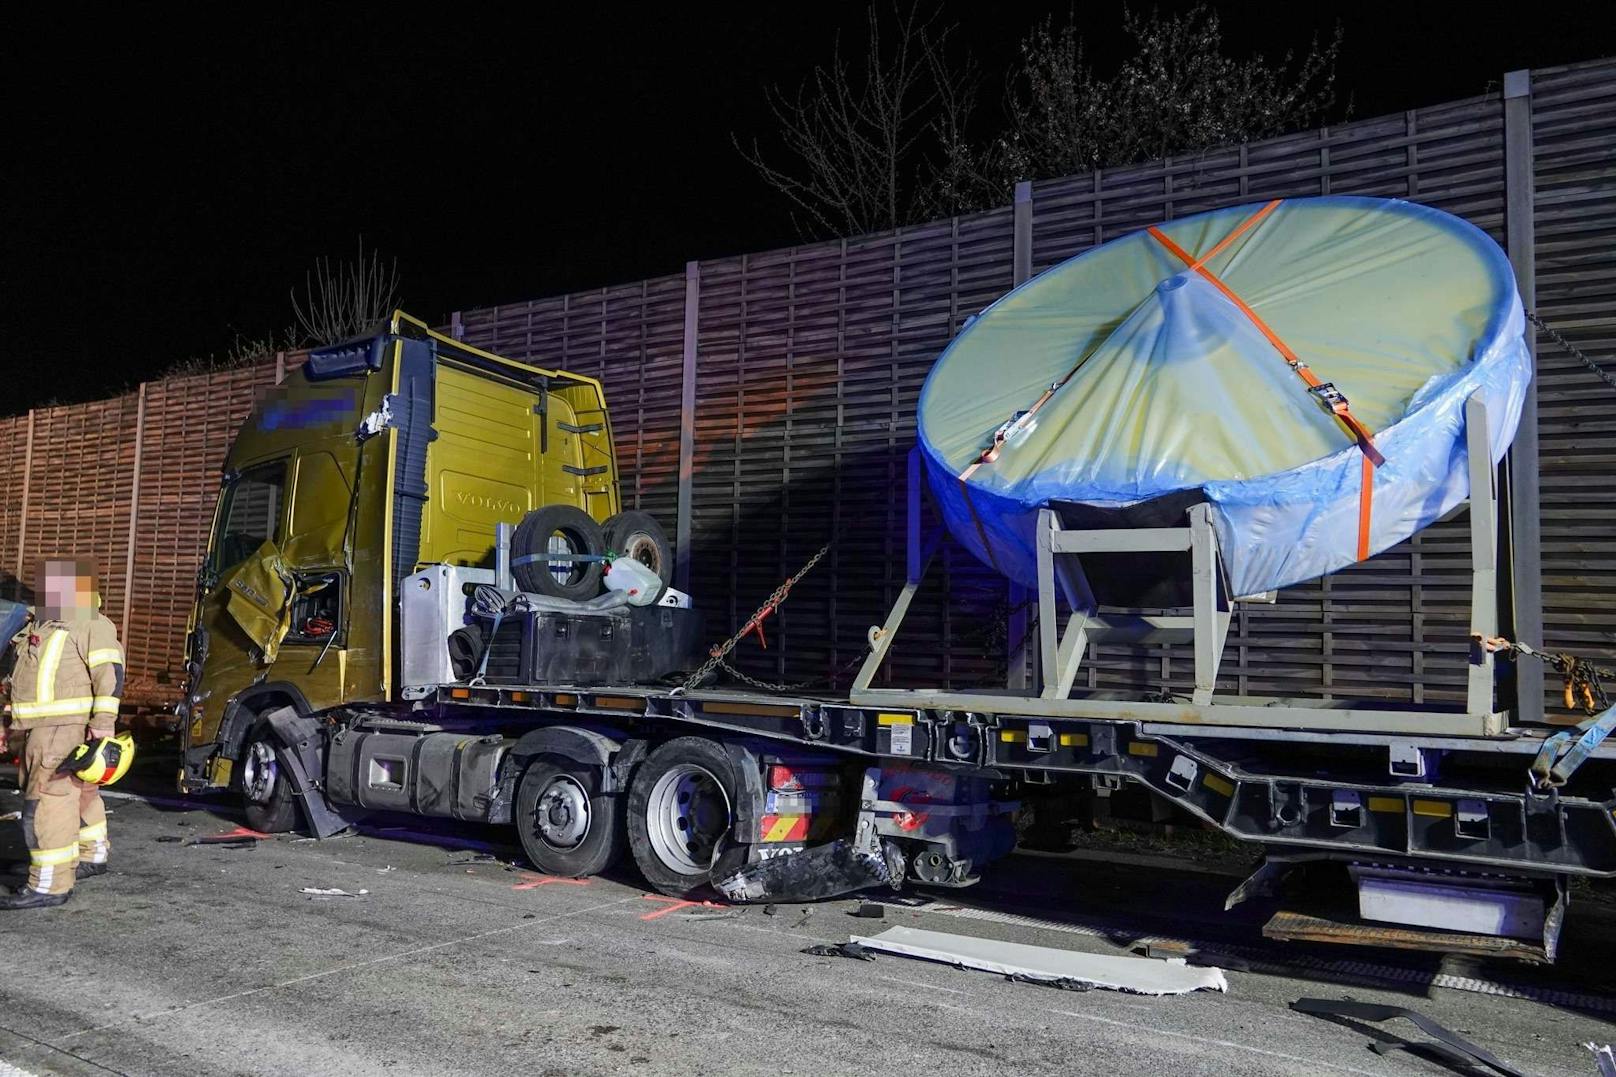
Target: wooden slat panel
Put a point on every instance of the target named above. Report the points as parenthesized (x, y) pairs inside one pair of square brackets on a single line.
[(190, 425), (79, 489)]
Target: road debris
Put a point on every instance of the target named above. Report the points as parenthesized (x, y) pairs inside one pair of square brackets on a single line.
[(1060, 985), (1043, 964), (319, 892), (237, 838), (1448, 1045), (867, 911), (822, 871), (839, 949)]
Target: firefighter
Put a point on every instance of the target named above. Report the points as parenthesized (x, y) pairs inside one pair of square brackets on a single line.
[(65, 684)]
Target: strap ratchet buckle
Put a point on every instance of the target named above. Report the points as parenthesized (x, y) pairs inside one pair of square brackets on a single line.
[(1330, 398)]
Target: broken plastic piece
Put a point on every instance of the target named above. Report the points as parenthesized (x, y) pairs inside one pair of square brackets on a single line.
[(1448, 1042), (1062, 984), (841, 949), (334, 891), (823, 871)]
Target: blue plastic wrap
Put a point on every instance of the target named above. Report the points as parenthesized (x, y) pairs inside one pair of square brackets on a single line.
[(1166, 385)]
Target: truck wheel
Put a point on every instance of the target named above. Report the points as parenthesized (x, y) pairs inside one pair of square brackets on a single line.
[(565, 532), (567, 827), (637, 534), (266, 789), (680, 813)]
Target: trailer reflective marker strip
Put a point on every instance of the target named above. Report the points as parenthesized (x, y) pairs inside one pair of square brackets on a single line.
[(783, 828)]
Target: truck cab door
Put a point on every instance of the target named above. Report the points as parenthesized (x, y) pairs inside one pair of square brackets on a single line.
[(241, 591), (258, 599)]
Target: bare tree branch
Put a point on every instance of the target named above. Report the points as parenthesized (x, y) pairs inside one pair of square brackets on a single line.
[(894, 143), (862, 141), (348, 300)]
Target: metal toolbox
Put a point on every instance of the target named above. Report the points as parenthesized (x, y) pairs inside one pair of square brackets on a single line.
[(636, 645)]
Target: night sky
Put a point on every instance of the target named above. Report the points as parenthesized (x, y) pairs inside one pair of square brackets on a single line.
[(167, 179)]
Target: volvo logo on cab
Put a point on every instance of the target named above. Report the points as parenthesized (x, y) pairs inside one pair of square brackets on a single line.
[(501, 506)]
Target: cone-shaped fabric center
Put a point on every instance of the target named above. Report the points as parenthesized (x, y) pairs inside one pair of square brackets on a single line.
[(1184, 390)]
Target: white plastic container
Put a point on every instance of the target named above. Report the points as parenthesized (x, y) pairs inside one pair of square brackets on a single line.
[(635, 580)]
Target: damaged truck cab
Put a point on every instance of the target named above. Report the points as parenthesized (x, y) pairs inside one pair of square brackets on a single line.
[(373, 457), (420, 595)]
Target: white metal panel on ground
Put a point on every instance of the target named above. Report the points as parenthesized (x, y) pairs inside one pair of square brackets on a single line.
[(1137, 975)]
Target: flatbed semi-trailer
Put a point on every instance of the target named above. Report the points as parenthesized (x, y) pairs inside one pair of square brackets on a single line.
[(363, 536)]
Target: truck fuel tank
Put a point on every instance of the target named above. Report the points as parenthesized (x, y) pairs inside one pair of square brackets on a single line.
[(453, 775)]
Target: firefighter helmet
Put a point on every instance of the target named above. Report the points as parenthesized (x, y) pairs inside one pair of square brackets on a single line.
[(103, 760)]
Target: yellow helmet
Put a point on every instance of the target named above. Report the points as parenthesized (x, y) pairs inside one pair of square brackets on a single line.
[(102, 761)]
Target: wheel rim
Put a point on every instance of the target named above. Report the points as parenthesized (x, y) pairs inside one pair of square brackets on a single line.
[(561, 816), (260, 773), (565, 570), (686, 815), (643, 548)]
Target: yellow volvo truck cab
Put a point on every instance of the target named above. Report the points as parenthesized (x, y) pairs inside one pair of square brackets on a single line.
[(373, 459), (421, 596)]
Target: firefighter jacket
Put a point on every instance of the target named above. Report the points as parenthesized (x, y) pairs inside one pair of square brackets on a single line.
[(68, 673)]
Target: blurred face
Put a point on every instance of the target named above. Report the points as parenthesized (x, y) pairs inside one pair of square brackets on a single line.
[(69, 592)]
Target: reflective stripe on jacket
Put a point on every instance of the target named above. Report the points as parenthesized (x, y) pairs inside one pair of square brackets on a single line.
[(68, 672)]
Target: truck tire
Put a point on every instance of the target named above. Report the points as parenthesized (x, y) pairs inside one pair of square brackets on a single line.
[(266, 788), (680, 813), (465, 651), (563, 530), (637, 534), (568, 828)]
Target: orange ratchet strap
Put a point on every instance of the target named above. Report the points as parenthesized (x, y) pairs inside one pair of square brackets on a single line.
[(1326, 392)]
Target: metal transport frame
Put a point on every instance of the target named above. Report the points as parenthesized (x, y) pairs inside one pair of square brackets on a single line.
[(1206, 625)]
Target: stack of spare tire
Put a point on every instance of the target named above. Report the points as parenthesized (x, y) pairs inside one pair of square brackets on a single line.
[(557, 550), (560, 552)]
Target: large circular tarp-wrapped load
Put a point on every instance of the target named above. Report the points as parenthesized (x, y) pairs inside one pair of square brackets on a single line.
[(1302, 365)]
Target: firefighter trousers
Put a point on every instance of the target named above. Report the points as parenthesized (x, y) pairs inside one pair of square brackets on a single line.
[(63, 819)]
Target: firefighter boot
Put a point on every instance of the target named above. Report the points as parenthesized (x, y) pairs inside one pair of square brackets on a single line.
[(25, 898)]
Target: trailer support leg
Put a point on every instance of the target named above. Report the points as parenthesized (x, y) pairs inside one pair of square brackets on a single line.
[(1483, 556)]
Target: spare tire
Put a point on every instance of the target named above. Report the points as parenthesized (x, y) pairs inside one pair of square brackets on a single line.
[(546, 548), (636, 534)]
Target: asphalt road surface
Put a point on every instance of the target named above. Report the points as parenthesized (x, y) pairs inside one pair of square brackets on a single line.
[(207, 959)]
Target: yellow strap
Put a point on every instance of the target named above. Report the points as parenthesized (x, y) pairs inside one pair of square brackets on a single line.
[(53, 709), (105, 705), (45, 858), (50, 661), (105, 656), (94, 832)]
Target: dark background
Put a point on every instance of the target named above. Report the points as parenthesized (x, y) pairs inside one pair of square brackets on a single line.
[(167, 176)]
